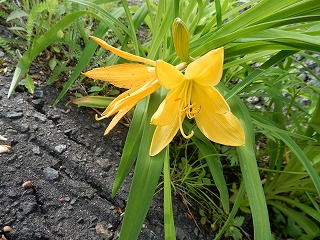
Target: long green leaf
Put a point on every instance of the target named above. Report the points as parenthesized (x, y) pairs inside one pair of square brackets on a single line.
[(169, 229), (145, 179), (93, 101), (131, 147)]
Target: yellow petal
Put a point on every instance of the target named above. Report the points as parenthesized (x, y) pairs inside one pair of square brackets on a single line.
[(123, 75), (211, 97), (123, 54), (206, 70), (162, 136), (168, 109), (131, 97), (168, 75), (222, 128), (117, 118)]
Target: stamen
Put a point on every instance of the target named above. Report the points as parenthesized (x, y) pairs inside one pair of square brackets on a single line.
[(182, 131), (100, 118)]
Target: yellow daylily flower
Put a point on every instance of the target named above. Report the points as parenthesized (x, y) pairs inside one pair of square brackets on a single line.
[(192, 95), (139, 79)]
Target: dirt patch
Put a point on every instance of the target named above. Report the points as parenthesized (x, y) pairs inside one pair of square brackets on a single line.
[(56, 181)]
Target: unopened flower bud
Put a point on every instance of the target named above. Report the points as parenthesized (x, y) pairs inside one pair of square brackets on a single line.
[(180, 36)]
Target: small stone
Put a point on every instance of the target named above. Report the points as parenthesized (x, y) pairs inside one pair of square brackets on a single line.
[(37, 103), (32, 137), (36, 150), (50, 174), (15, 115), (29, 207), (60, 148), (73, 201), (7, 228), (1, 54), (104, 164), (27, 184), (103, 231), (24, 128), (38, 93), (67, 199), (40, 117)]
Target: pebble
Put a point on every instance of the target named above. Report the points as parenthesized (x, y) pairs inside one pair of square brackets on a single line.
[(15, 115), (40, 117), (60, 148), (73, 201), (50, 174), (27, 184), (36, 150), (38, 93), (37, 103), (24, 128), (103, 230), (104, 164)]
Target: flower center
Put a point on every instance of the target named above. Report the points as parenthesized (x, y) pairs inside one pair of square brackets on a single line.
[(186, 108)]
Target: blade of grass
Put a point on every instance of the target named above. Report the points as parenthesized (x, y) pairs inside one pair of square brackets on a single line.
[(132, 26), (38, 46), (297, 151), (308, 226), (169, 229), (250, 172), (210, 154), (257, 72), (85, 57), (305, 208), (234, 211), (108, 16)]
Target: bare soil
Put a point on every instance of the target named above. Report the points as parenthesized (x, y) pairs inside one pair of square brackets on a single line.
[(56, 181)]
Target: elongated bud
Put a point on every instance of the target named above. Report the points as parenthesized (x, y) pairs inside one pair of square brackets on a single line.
[(180, 36)]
